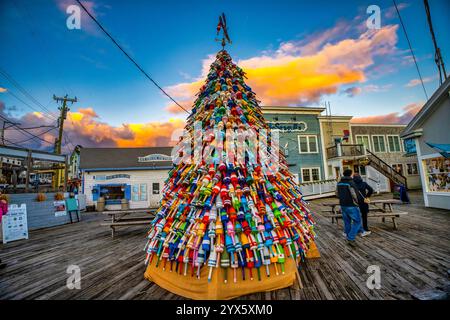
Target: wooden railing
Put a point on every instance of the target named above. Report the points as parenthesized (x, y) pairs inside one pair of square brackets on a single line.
[(385, 168), (345, 150), (355, 150)]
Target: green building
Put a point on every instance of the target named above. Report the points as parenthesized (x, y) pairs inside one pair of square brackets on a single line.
[(300, 139)]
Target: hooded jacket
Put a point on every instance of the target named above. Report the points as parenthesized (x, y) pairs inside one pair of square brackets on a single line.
[(365, 191)]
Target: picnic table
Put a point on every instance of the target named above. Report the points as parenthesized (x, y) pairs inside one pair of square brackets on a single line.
[(379, 208), (121, 218)]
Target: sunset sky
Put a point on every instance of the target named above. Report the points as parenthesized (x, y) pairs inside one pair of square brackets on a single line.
[(294, 52)]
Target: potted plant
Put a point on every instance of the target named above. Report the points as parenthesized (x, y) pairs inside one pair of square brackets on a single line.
[(59, 196), (41, 197)]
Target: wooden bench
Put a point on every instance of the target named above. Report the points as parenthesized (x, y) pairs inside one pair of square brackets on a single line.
[(378, 214), (120, 218), (126, 223)]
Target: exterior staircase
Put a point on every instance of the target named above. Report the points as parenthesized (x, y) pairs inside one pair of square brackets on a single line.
[(366, 157), (382, 167)]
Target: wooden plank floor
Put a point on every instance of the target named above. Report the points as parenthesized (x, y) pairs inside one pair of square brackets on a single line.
[(415, 257)]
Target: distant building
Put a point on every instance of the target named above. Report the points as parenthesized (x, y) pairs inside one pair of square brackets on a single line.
[(135, 174), (334, 129), (384, 141), (74, 164), (427, 136), (300, 139)]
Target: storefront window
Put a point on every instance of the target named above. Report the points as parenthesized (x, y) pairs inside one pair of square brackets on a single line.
[(412, 169), (140, 192), (112, 194), (437, 174)]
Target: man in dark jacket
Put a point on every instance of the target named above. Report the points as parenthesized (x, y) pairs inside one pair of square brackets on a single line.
[(365, 191), (346, 191)]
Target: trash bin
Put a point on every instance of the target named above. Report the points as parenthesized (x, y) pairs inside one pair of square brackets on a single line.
[(404, 194), (401, 193), (100, 204), (125, 204)]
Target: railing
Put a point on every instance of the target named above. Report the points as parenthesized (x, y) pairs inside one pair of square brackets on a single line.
[(385, 168), (318, 189), (345, 150)]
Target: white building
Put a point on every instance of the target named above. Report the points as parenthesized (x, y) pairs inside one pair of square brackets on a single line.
[(135, 174), (428, 136)]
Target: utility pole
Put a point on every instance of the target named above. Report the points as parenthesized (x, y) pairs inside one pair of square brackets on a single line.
[(437, 52), (11, 124), (63, 108)]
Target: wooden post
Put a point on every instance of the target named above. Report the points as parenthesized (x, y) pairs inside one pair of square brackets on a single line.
[(66, 174), (27, 179)]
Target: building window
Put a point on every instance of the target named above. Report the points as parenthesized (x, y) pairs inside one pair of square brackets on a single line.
[(364, 140), (379, 145), (140, 192), (307, 144), (155, 188), (360, 169), (394, 143), (310, 174), (286, 150), (113, 194), (437, 174), (398, 167), (412, 169), (410, 146)]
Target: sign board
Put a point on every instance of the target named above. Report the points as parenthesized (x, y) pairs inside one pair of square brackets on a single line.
[(81, 198), (15, 223), (60, 208), (111, 177), (155, 157), (288, 126)]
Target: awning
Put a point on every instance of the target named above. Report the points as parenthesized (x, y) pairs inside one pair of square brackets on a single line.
[(443, 149)]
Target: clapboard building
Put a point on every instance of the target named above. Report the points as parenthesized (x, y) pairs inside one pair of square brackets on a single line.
[(134, 174)]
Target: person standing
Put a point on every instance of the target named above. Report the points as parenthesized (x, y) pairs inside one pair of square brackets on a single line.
[(364, 193), (346, 191), (3, 211)]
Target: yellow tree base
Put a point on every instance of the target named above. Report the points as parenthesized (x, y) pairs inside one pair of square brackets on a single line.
[(190, 287)]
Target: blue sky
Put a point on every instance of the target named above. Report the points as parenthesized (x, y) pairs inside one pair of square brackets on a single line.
[(171, 39)]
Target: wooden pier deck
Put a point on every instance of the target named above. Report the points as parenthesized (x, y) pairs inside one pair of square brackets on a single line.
[(415, 257)]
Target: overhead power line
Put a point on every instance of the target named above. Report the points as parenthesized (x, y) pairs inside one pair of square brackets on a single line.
[(24, 91), (129, 57), (410, 48), (27, 132), (26, 140), (29, 106), (31, 128)]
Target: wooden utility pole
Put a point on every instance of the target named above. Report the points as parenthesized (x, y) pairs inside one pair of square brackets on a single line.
[(63, 108), (6, 122)]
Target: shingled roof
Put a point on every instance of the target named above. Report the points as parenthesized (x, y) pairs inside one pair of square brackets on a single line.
[(124, 158)]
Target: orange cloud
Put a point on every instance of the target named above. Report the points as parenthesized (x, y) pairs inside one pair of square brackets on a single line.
[(84, 127), (3, 90), (404, 117), (300, 73)]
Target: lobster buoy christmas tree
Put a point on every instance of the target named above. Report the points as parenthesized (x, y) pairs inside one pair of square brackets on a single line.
[(228, 226)]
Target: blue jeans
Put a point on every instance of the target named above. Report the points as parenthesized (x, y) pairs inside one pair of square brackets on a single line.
[(352, 221)]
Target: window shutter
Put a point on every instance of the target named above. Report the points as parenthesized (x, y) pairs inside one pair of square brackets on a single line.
[(128, 192), (95, 192)]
